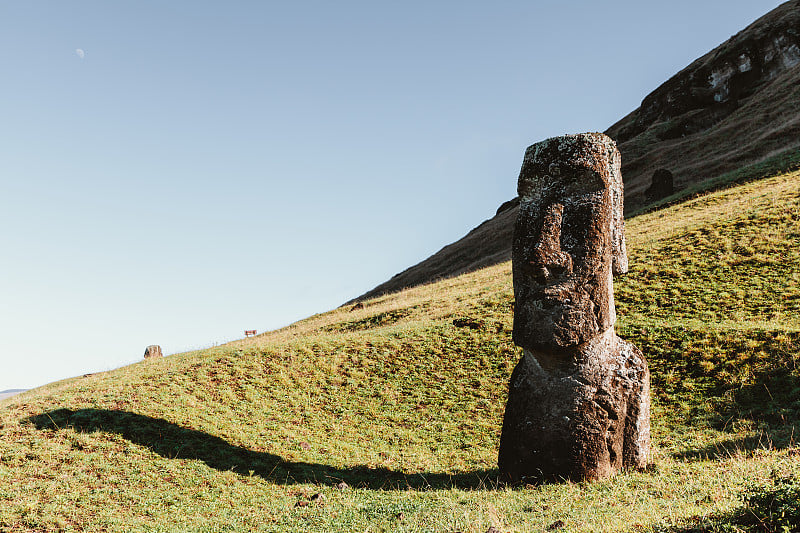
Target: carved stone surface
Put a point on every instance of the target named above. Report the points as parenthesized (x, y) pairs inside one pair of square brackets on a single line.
[(579, 399), (154, 350), (661, 185)]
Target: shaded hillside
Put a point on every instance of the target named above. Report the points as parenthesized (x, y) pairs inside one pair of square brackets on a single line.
[(736, 106), (488, 244), (404, 407)]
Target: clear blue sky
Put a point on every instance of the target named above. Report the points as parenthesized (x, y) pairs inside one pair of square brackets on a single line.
[(176, 172)]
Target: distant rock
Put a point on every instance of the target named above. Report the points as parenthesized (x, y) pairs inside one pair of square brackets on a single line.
[(713, 86), (467, 322), (477, 323), (154, 350), (661, 185)]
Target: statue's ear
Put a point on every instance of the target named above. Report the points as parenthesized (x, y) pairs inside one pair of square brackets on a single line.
[(619, 250)]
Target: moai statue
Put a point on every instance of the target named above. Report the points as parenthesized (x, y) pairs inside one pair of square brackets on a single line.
[(579, 399), (154, 350)]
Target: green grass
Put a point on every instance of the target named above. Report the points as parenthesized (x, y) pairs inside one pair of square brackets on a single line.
[(405, 407)]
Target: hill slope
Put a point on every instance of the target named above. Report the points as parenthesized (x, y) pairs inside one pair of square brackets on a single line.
[(736, 106), (405, 408)]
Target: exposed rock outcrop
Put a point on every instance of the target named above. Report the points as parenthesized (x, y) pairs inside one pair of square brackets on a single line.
[(713, 86), (579, 399)]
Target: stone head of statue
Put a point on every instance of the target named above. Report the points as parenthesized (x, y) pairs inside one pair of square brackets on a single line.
[(568, 242)]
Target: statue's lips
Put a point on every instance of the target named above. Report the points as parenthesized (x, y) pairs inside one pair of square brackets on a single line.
[(559, 321)]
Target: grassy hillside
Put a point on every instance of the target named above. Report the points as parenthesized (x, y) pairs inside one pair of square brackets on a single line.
[(387, 418)]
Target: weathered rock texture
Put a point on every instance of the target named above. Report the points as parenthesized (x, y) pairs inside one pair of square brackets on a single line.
[(732, 107), (661, 185), (579, 399), (153, 350)]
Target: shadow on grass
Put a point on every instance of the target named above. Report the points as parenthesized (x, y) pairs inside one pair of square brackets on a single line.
[(771, 403), (771, 508), (753, 382), (777, 439), (175, 442)]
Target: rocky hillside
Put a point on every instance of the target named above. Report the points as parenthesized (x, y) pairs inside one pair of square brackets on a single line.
[(738, 105), (735, 106)]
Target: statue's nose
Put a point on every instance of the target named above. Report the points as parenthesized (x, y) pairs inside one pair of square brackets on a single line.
[(549, 262)]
